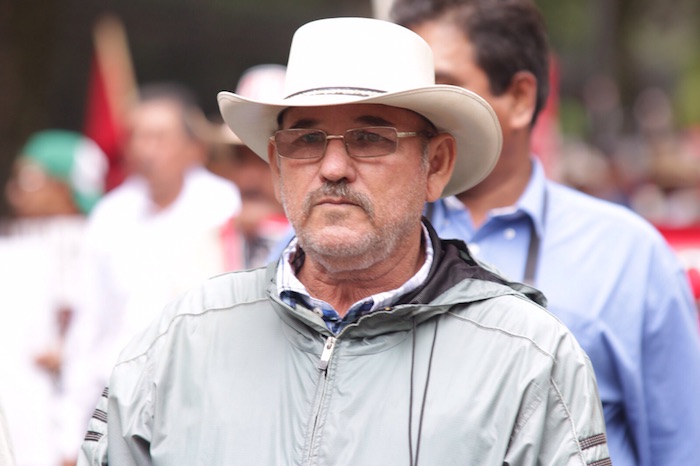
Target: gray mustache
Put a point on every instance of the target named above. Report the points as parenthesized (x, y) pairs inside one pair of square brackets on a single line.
[(339, 190)]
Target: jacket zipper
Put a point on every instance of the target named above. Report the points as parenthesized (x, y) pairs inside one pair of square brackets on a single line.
[(322, 365), (326, 354)]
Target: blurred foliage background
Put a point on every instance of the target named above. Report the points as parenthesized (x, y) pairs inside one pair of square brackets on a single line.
[(609, 53), (637, 43)]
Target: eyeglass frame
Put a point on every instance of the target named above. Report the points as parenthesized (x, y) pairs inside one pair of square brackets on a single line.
[(399, 135)]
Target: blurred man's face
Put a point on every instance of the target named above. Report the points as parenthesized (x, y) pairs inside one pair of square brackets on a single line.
[(249, 172), (455, 64), (31, 192), (252, 176), (158, 147)]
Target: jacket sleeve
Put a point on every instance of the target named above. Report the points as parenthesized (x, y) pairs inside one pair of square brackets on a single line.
[(94, 448), (88, 354), (561, 421), (119, 431)]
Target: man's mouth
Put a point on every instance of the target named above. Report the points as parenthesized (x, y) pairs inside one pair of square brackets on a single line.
[(335, 201)]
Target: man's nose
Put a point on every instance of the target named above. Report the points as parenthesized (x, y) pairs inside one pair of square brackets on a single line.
[(336, 163)]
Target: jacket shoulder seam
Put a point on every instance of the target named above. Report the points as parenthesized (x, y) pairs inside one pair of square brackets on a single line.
[(179, 316), (505, 332), (569, 418)]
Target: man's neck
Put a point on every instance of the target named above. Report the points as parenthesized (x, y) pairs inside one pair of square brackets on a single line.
[(502, 188), (164, 196), (342, 288)]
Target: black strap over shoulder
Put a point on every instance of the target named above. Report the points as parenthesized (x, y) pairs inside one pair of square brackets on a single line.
[(452, 264)]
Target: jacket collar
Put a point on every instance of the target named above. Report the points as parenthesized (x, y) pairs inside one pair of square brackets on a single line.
[(455, 278)]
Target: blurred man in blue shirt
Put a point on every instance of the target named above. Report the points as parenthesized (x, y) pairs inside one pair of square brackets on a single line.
[(606, 272)]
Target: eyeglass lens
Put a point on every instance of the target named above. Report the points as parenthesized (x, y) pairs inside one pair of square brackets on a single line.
[(360, 142)]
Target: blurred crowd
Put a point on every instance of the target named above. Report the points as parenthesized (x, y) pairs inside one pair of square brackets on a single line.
[(81, 264), (653, 169)]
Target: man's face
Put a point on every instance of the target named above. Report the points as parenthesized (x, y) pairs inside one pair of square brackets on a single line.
[(249, 172), (455, 64), (252, 176), (31, 192), (350, 213), (158, 146)]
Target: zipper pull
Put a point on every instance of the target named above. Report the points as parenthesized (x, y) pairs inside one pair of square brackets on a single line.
[(326, 354)]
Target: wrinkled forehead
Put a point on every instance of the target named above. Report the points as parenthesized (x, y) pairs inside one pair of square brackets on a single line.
[(350, 115)]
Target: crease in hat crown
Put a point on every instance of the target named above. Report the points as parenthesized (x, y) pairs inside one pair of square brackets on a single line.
[(359, 57), (338, 61)]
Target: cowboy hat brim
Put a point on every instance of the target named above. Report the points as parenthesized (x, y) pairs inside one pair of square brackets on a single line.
[(452, 109)]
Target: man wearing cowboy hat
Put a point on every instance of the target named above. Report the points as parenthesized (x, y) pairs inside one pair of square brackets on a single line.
[(371, 341)]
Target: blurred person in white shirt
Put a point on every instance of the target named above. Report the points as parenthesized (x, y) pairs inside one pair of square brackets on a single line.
[(144, 244)]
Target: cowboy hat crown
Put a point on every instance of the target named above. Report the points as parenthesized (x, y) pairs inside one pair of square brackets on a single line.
[(341, 61)]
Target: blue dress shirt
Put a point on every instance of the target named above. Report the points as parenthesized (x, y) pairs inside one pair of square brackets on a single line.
[(612, 279)]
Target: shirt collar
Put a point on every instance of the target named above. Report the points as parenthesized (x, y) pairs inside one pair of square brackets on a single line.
[(530, 203), (292, 260)]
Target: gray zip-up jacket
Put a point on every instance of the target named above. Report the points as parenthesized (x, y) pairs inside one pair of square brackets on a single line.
[(467, 370)]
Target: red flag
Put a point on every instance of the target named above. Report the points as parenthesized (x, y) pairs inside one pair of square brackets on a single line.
[(111, 89), (546, 138), (685, 241)]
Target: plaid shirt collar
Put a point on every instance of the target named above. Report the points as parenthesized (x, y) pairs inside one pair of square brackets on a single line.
[(292, 291)]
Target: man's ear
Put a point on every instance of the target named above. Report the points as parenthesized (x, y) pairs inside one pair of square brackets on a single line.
[(523, 93), (273, 161), (442, 152)]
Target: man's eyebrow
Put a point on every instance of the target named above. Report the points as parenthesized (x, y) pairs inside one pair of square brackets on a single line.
[(371, 120), (365, 120), (304, 123)]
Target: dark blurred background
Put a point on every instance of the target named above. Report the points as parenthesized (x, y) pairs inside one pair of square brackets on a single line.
[(628, 75)]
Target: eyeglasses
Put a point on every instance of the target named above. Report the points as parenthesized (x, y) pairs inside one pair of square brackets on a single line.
[(373, 141)]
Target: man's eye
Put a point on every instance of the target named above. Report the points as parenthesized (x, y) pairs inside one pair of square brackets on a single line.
[(367, 137), (312, 138)]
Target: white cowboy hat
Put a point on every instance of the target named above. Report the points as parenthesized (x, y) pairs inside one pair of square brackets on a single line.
[(361, 60)]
